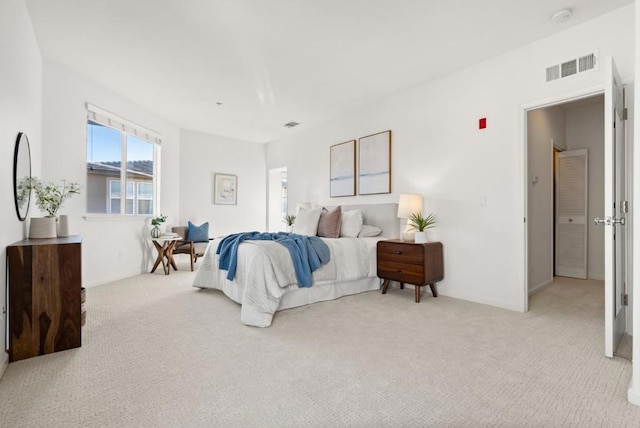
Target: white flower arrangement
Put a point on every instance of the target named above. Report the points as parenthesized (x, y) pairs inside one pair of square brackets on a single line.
[(50, 196)]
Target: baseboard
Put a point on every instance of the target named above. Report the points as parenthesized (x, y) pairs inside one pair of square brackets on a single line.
[(4, 364), (597, 277), (490, 302), (540, 287), (633, 395), (112, 279)]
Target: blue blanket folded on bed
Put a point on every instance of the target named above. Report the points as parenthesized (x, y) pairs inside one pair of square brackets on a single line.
[(308, 253)]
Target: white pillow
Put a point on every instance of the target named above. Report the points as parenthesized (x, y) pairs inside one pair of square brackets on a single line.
[(307, 222), (369, 231), (351, 223)]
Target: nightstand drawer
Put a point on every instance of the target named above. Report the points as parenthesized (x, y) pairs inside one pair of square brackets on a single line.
[(402, 272), (401, 252)]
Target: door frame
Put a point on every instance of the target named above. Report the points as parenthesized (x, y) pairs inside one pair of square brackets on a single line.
[(523, 109)]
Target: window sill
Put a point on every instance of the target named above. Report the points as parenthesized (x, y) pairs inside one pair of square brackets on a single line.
[(116, 217)]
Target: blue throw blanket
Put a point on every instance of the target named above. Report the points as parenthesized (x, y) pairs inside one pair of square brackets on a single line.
[(308, 253)]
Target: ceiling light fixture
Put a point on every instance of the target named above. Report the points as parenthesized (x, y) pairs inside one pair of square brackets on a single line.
[(561, 15)]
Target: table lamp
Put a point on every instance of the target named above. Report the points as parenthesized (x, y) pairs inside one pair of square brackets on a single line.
[(409, 203)]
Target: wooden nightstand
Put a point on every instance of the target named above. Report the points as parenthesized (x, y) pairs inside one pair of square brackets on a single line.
[(417, 264)]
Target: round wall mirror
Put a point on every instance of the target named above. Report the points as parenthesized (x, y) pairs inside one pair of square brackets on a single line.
[(22, 176)]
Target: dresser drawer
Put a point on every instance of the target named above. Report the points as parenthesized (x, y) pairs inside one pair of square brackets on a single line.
[(402, 272), (400, 252)]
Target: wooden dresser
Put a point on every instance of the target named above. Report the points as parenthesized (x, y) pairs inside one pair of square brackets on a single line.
[(417, 264), (45, 278)]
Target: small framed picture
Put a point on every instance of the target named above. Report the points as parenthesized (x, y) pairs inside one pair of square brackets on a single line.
[(225, 189)]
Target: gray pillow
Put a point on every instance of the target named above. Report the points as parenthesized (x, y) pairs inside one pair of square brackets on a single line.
[(330, 221)]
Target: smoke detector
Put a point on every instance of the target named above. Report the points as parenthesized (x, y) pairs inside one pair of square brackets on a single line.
[(561, 15)]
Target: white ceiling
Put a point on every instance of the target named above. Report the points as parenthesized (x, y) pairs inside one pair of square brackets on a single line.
[(270, 62)]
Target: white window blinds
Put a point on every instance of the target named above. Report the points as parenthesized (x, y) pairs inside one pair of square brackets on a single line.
[(111, 120)]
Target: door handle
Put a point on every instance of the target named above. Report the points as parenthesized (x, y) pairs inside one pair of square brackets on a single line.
[(609, 221), (619, 221), (606, 221)]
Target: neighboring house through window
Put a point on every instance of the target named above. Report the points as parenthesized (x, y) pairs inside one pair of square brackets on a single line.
[(111, 143)]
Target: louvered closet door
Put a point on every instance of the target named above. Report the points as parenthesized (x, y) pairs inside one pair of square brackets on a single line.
[(571, 213)]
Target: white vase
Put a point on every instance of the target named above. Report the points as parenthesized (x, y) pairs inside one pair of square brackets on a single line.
[(421, 237), (156, 232), (42, 227), (63, 226), (408, 236)]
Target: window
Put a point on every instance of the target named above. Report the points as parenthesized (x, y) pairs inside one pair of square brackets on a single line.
[(111, 143)]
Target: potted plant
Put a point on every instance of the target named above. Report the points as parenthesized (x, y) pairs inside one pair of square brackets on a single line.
[(156, 222), (49, 198), (420, 224), (289, 219)]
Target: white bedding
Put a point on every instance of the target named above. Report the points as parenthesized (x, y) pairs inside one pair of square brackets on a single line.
[(265, 277)]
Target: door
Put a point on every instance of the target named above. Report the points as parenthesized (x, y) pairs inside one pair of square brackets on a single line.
[(572, 177), (614, 207)]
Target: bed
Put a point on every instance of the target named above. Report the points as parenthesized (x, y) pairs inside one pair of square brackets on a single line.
[(265, 281)]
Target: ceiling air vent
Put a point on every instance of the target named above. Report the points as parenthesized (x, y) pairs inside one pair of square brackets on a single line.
[(571, 67), (291, 124)]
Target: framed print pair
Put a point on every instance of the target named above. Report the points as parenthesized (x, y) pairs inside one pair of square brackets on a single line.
[(374, 166)]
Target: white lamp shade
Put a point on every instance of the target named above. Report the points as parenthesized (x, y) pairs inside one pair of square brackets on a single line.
[(410, 203)]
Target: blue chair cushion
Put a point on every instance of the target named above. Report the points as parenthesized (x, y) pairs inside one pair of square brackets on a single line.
[(198, 233)]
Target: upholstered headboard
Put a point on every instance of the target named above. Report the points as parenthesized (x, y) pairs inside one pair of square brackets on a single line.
[(384, 216)]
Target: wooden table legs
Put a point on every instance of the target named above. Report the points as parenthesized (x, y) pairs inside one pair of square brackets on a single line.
[(165, 251), (418, 289)]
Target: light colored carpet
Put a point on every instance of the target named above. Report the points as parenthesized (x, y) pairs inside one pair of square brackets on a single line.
[(158, 353)]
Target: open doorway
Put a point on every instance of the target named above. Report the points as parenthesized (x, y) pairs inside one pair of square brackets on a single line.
[(562, 238), (277, 199)]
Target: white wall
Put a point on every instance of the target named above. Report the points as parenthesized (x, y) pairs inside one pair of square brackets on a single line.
[(585, 130), (439, 152), (545, 128), (202, 155), (20, 110), (112, 248)]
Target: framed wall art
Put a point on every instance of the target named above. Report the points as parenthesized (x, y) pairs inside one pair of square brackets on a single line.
[(374, 164), (225, 189), (342, 175)]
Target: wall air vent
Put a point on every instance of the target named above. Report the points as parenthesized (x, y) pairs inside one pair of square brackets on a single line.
[(553, 73), (571, 67), (587, 62), (291, 124)]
